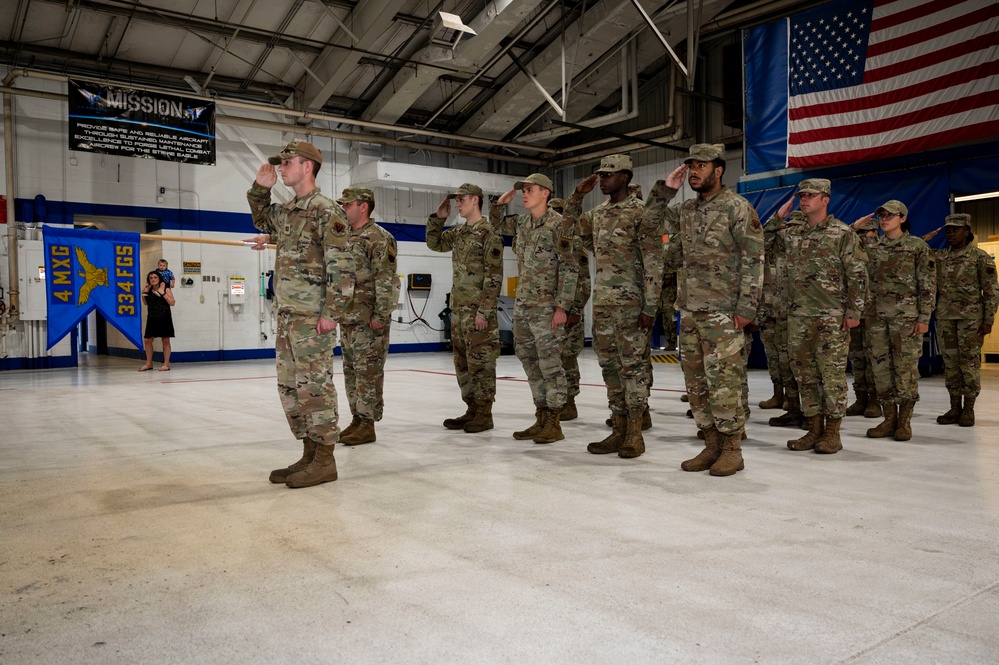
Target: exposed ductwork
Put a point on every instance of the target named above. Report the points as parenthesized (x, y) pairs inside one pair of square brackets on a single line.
[(496, 22)]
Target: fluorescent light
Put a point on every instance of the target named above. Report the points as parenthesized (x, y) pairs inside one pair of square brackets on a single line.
[(976, 197)]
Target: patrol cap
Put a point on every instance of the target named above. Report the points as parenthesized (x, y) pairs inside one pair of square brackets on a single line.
[(557, 203), (361, 194), (705, 152), (814, 186), (468, 189), (298, 149), (895, 207), (538, 179), (958, 219), (615, 164)]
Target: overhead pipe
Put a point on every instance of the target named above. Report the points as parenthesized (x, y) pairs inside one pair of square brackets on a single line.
[(318, 131), (14, 312), (494, 59), (302, 115), (629, 97)]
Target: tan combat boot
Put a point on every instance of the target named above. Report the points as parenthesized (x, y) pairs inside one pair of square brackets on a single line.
[(708, 456), (830, 442), (887, 426), (873, 409), (355, 420), (483, 419), (309, 451), (461, 421), (813, 427), (646, 419), (365, 433), (954, 415), (792, 418), (634, 443), (322, 469), (730, 459), (551, 430), (569, 411), (903, 429), (531, 431), (968, 412), (612, 443), (775, 402), (860, 405)]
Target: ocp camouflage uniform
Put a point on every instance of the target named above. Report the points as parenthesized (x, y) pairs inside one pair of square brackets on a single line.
[(575, 331), (903, 288), (476, 278), (720, 244), (313, 279), (776, 295), (376, 292), (549, 271), (627, 248), (827, 280), (859, 351), (967, 299), (667, 303)]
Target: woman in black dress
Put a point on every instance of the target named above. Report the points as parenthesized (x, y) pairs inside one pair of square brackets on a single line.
[(159, 323)]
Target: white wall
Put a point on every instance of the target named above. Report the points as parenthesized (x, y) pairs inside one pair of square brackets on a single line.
[(196, 195)]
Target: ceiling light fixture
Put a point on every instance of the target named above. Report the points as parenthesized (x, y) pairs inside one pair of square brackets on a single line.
[(976, 197)]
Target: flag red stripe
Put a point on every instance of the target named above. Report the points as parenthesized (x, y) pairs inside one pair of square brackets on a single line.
[(874, 127), (928, 60), (926, 34), (894, 96), (906, 15), (909, 146)]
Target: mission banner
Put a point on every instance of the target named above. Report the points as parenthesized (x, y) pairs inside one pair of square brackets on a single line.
[(136, 123), (86, 269)]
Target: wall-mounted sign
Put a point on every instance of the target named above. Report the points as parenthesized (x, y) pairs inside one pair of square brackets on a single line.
[(136, 123)]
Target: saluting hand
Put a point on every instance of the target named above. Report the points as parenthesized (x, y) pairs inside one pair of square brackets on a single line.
[(507, 197), (863, 220), (785, 209), (587, 185), (267, 175), (675, 179), (932, 234), (444, 209)]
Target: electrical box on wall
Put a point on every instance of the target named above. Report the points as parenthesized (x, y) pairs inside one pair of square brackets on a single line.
[(237, 292), (419, 282)]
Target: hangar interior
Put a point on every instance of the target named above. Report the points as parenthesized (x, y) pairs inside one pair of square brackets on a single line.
[(137, 518)]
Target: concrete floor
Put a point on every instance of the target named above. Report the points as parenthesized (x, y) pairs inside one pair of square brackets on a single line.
[(138, 526)]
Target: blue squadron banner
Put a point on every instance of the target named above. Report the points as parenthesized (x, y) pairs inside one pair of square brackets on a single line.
[(86, 269)]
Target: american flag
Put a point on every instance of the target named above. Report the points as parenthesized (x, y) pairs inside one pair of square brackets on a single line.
[(881, 78)]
